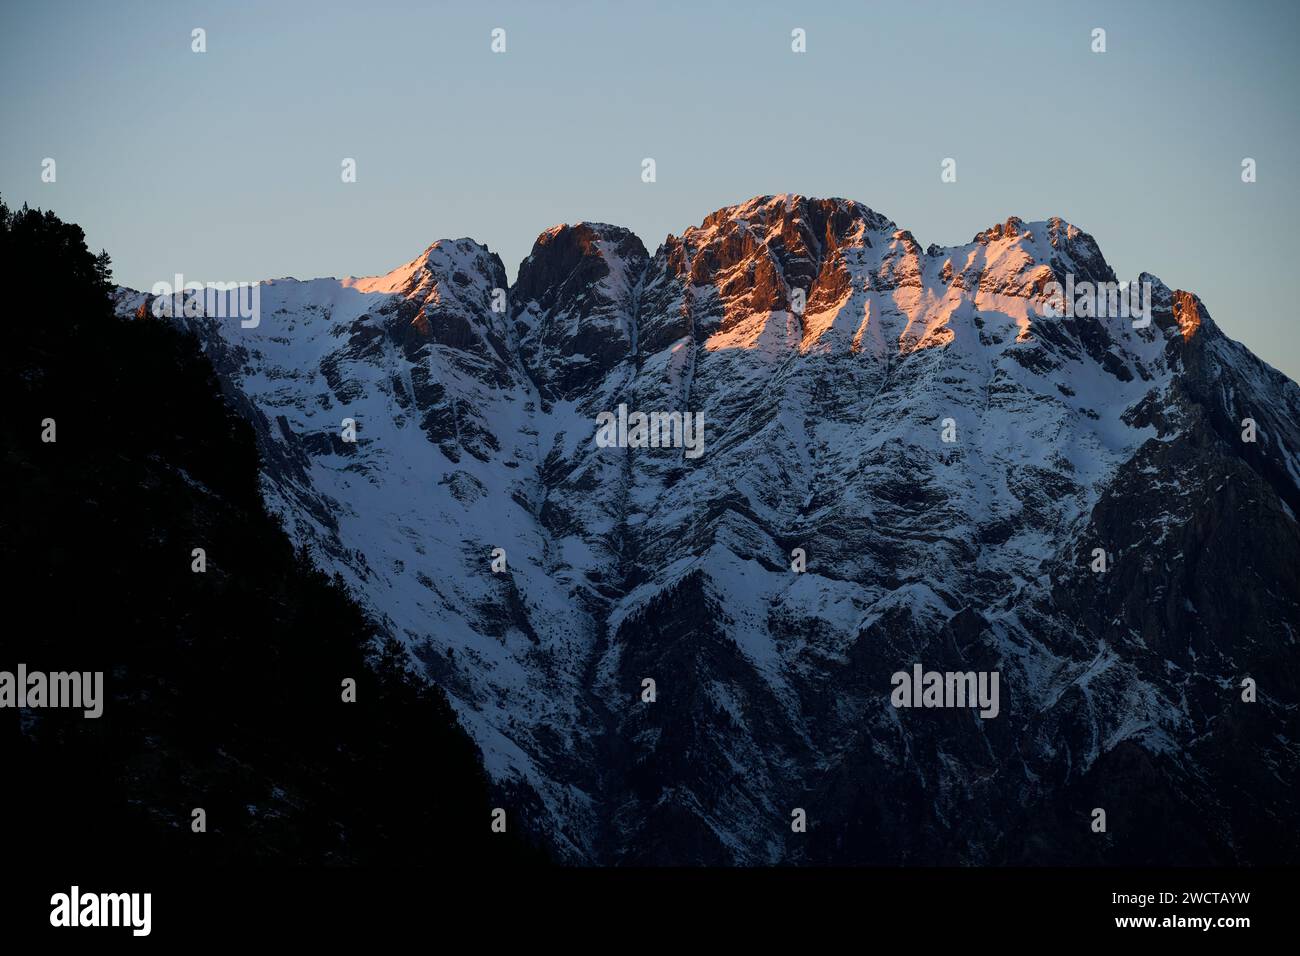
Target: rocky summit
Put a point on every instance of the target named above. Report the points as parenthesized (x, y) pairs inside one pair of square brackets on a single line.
[(906, 464)]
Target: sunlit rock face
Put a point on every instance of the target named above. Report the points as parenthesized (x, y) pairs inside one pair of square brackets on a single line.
[(946, 458)]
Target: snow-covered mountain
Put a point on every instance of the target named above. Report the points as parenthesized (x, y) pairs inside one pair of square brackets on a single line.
[(824, 431)]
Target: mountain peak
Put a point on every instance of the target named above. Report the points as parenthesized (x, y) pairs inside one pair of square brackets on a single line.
[(568, 258), (1001, 230), (793, 208), (445, 257)]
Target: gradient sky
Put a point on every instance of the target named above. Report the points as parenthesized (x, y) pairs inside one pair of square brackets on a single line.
[(225, 166)]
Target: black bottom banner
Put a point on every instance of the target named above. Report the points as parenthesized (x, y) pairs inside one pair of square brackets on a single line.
[(925, 905)]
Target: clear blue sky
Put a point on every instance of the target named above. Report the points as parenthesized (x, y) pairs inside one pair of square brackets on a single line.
[(225, 166)]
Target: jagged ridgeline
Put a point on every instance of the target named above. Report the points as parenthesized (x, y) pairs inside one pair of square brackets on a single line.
[(909, 456), (222, 688)]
